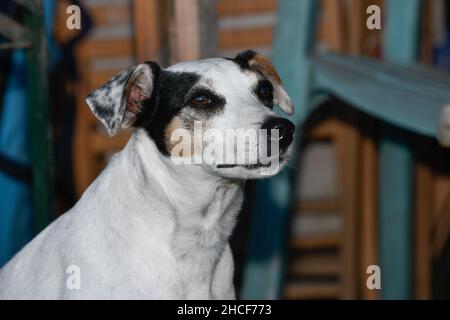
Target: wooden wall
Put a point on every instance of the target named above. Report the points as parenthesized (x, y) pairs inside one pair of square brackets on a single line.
[(246, 24)]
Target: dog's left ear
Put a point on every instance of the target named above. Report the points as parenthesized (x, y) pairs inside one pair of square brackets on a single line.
[(117, 103), (263, 65)]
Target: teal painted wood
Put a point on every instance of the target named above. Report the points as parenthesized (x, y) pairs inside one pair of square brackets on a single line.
[(409, 97), (292, 51), (39, 122), (401, 38), (395, 214), (396, 162), (263, 272)]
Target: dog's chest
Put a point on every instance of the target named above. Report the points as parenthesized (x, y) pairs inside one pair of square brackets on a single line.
[(196, 273), (199, 244)]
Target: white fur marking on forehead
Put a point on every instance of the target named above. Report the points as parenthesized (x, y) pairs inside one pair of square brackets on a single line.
[(219, 72), (219, 69)]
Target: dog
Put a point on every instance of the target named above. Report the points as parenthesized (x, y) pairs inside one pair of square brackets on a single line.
[(147, 227)]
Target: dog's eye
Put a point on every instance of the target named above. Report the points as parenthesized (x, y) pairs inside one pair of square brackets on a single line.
[(265, 89), (201, 100)]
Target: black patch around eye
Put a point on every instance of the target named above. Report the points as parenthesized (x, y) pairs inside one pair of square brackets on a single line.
[(264, 91), (216, 102), (167, 99)]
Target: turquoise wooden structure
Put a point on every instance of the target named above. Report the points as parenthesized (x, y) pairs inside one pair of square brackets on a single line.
[(406, 97)]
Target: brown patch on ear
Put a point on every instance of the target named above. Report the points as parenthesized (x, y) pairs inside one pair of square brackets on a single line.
[(263, 65)]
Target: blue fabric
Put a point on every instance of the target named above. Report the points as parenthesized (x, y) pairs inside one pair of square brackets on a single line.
[(16, 225), (15, 200)]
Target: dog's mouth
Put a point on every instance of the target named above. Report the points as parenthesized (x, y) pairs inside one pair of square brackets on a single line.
[(247, 166)]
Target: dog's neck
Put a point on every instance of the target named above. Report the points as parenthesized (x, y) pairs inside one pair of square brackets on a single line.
[(187, 187), (200, 203)]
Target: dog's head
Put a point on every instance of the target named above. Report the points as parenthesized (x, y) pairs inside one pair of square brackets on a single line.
[(217, 114)]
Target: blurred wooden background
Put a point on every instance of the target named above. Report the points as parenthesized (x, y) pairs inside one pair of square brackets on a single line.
[(334, 227)]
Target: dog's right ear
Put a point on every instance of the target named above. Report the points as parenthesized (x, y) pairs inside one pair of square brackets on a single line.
[(117, 103)]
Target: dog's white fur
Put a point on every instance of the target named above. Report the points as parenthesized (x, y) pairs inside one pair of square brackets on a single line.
[(145, 229), (138, 232)]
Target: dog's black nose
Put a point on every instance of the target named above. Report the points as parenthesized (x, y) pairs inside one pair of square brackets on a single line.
[(285, 132)]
